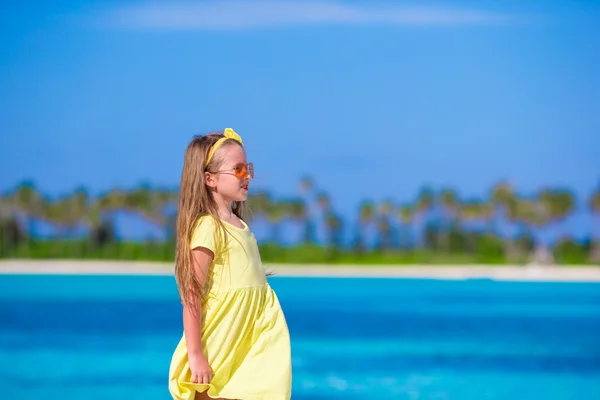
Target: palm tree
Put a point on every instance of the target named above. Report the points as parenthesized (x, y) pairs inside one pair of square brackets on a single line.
[(323, 201), (450, 202), (66, 213), (366, 215), (162, 200), (423, 205), (529, 213), (503, 200), (594, 201), (166, 196), (451, 207), (102, 233), (11, 235), (53, 212), (307, 186), (144, 200), (333, 224), (504, 205), (74, 209), (296, 210), (475, 209), (425, 200), (113, 200), (405, 215), (101, 225), (384, 226), (334, 227), (103, 217), (275, 213), (258, 205), (471, 211), (61, 214), (594, 205), (557, 204), (29, 204)]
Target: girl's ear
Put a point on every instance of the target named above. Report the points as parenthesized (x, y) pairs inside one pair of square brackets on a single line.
[(209, 180)]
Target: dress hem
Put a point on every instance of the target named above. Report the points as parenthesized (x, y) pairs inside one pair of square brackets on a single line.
[(229, 396)]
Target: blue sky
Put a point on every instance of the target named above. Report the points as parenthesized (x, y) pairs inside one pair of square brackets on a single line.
[(373, 99)]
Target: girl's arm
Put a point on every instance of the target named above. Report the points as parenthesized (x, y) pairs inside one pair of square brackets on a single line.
[(192, 321)]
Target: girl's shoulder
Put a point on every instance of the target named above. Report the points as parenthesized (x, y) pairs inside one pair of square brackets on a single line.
[(205, 234), (206, 221)]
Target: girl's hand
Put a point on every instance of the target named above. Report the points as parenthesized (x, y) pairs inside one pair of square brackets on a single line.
[(201, 372)]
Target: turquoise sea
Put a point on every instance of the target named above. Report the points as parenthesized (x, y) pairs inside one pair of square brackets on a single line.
[(111, 337)]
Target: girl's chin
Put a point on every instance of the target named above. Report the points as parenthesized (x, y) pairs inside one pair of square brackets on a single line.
[(241, 197)]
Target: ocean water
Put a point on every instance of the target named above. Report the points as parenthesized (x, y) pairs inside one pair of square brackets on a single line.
[(111, 337)]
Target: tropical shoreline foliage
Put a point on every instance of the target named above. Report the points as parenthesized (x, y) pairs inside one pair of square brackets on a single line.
[(439, 226)]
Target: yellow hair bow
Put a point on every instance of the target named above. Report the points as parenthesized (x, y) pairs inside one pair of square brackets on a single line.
[(228, 133)]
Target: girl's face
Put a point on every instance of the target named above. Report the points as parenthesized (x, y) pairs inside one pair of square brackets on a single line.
[(233, 177)]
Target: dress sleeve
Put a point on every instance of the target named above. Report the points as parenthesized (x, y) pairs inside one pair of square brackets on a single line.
[(205, 234)]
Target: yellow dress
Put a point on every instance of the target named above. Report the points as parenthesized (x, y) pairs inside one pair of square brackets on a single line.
[(245, 336)]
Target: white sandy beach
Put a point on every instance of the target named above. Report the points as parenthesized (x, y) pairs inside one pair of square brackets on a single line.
[(514, 272)]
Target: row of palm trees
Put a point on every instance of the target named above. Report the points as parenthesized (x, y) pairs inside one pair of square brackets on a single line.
[(548, 207)]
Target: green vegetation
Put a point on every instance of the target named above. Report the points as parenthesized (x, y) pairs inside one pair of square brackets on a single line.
[(446, 233)]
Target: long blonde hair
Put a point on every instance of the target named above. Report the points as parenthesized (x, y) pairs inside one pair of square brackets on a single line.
[(195, 201)]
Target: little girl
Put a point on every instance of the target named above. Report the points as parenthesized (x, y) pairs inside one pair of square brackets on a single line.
[(235, 342)]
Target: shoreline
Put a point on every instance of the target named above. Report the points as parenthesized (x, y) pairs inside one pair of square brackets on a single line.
[(445, 272)]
